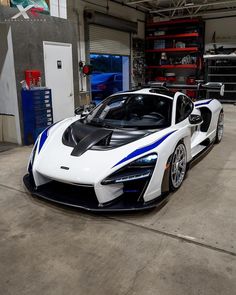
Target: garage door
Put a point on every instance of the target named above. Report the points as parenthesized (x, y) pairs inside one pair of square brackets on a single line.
[(108, 41)]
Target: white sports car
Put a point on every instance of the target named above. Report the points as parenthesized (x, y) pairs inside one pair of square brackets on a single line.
[(126, 153)]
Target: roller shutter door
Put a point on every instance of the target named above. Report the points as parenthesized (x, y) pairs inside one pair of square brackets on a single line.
[(103, 40)]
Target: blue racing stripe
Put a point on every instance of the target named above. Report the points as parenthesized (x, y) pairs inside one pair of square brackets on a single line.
[(44, 137), (145, 149), (203, 103)]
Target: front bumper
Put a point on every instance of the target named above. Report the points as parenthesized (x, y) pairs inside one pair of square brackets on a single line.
[(85, 198)]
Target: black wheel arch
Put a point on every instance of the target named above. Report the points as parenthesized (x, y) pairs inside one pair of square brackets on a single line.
[(165, 185)]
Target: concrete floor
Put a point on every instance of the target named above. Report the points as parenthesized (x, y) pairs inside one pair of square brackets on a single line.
[(187, 247), (5, 146)]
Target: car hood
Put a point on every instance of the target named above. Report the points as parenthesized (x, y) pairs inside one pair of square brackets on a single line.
[(92, 162), (82, 137)]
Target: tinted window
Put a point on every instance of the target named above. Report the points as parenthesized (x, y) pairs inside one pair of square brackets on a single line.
[(98, 78), (184, 108), (118, 78), (133, 111)]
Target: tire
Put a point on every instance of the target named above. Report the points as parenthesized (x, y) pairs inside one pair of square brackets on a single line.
[(220, 128), (178, 167)]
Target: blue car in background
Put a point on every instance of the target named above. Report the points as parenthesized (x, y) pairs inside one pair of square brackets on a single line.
[(105, 84)]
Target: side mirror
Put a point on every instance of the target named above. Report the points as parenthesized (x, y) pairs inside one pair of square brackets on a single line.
[(195, 119), (84, 110), (79, 110)]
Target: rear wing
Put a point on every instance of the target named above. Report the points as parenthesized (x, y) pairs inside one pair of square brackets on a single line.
[(198, 87)]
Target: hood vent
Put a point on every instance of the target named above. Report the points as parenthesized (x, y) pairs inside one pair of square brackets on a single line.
[(82, 137)]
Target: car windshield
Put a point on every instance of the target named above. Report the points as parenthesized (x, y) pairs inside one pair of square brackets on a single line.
[(142, 111), (101, 77)]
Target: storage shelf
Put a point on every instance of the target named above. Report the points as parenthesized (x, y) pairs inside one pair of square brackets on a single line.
[(186, 66), (190, 31), (226, 91), (219, 56), (189, 35), (228, 83), (222, 75), (193, 49), (173, 22), (222, 67)]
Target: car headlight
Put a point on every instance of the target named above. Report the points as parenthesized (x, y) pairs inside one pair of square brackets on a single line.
[(147, 161), (139, 169)]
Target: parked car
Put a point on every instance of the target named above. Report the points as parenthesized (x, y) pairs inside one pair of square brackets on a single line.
[(126, 153), (105, 84)]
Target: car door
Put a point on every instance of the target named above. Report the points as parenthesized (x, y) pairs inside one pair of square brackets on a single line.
[(184, 108)]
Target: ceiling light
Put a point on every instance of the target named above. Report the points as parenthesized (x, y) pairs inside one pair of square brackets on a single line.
[(189, 4)]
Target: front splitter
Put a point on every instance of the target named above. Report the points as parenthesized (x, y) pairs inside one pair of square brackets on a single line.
[(85, 199)]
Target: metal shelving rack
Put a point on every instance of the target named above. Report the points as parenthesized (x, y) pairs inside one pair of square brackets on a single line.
[(189, 32), (221, 68)]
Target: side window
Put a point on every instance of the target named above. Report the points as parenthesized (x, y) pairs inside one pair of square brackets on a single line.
[(184, 108)]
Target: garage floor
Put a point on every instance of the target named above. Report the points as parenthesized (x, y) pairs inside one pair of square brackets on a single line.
[(187, 247)]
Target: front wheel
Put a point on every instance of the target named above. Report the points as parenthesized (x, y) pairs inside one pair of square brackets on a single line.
[(220, 128), (178, 166)]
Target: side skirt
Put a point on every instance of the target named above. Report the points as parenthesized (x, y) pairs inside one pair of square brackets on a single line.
[(202, 154), (166, 178)]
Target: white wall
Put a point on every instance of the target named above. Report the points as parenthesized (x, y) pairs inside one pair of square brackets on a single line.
[(58, 8), (225, 29), (8, 97)]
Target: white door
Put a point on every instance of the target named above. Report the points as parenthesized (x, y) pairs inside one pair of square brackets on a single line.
[(59, 78)]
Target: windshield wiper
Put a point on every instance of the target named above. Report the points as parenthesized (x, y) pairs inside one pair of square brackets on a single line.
[(100, 123)]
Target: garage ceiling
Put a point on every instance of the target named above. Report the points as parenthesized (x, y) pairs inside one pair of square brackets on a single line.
[(185, 8)]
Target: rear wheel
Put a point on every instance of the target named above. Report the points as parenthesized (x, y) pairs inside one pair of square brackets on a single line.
[(220, 128), (178, 166)]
